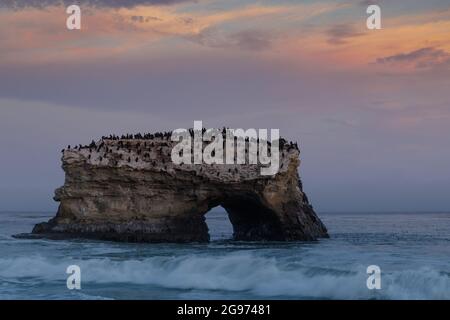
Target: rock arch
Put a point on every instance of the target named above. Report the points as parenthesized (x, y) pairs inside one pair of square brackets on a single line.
[(106, 195)]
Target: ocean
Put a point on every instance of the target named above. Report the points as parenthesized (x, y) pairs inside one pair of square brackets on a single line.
[(411, 249)]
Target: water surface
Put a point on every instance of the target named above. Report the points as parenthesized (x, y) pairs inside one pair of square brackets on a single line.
[(412, 250)]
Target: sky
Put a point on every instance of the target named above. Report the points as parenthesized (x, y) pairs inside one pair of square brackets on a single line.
[(370, 109)]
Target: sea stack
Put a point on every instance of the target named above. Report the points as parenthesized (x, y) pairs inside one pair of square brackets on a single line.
[(128, 189)]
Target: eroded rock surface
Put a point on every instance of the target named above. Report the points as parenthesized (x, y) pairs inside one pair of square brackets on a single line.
[(130, 190)]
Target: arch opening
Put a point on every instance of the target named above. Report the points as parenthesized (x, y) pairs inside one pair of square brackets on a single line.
[(219, 224), (242, 218), (252, 220)]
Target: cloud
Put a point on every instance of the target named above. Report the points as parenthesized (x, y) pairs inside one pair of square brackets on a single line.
[(40, 36), (115, 4), (252, 40), (144, 19), (423, 58), (339, 34)]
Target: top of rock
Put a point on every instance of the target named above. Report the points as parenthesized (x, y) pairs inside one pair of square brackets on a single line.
[(153, 152)]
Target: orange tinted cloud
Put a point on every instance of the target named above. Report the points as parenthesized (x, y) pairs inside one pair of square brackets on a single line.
[(40, 36), (353, 45)]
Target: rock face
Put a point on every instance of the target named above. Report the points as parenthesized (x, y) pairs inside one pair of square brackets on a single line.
[(130, 190)]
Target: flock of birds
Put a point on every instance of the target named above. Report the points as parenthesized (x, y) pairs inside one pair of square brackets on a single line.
[(146, 141), (166, 135)]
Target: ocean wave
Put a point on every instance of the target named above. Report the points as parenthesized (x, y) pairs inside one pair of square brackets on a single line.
[(235, 272)]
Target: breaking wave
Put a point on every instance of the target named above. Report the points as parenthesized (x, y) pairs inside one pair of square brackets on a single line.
[(262, 277)]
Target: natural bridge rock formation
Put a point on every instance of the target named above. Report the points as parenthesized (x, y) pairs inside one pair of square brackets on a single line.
[(130, 190)]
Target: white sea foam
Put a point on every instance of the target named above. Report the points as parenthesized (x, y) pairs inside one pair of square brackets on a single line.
[(233, 272)]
